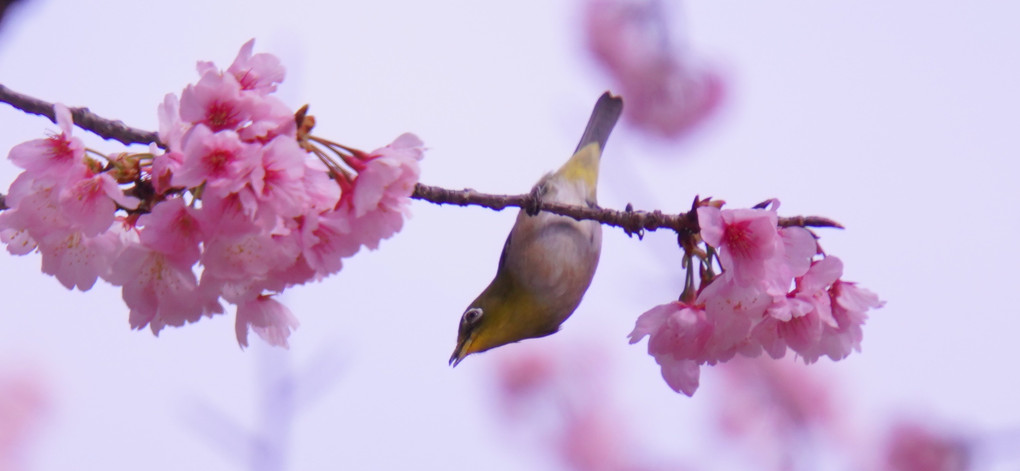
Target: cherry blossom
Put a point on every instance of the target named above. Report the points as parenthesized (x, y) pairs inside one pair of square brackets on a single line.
[(389, 176), (216, 101), (77, 260), (220, 160), (238, 207), (257, 72), (90, 203), (173, 229), (772, 296), (33, 213), (279, 185), (850, 310), (746, 239), (158, 290), (679, 335), (55, 158), (325, 240)]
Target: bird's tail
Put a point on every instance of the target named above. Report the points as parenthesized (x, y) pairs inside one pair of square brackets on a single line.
[(583, 166), (603, 118)]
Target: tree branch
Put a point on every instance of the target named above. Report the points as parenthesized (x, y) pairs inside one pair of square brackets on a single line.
[(632, 222), (83, 118)]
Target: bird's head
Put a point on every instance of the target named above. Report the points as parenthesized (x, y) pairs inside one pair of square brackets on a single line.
[(498, 317)]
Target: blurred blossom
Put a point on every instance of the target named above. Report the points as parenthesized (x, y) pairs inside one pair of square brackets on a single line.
[(666, 91), (523, 376), (776, 407), (792, 418), (913, 446), (591, 442), (561, 399), (23, 404), (782, 392)]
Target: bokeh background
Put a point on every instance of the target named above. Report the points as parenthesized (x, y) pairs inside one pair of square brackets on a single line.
[(898, 119)]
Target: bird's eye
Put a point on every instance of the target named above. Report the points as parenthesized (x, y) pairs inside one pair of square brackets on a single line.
[(472, 315)]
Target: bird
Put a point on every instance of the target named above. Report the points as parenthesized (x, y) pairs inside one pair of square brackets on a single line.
[(548, 260)]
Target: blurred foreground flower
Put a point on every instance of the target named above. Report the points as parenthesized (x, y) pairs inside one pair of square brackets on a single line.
[(790, 417), (666, 92), (781, 394), (234, 209), (560, 398), (23, 403), (914, 447), (778, 409)]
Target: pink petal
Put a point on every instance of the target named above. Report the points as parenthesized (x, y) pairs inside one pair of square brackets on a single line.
[(799, 246), (681, 375), (258, 72), (64, 120), (173, 230), (822, 274), (711, 223), (269, 318), (76, 260)]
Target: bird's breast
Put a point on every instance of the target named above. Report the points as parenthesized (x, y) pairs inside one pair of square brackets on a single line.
[(554, 258)]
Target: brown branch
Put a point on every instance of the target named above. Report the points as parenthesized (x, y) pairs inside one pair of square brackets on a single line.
[(631, 221), (808, 221), (83, 118)]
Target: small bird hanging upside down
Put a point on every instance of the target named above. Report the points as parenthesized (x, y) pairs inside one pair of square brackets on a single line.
[(548, 260)]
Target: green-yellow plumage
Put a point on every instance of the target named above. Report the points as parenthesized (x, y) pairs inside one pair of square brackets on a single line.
[(548, 260)]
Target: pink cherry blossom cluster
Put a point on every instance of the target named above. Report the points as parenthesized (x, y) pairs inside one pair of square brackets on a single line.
[(774, 293), (234, 209), (667, 92)]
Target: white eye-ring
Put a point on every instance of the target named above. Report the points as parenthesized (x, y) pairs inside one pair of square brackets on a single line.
[(472, 315)]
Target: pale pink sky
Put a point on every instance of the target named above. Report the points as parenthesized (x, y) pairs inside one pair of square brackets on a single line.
[(898, 120)]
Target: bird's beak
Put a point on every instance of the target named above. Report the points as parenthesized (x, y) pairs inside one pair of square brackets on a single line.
[(463, 349)]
